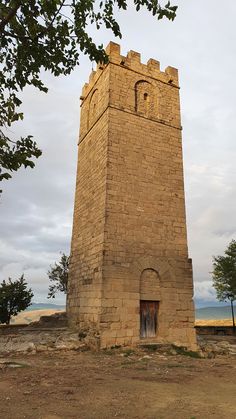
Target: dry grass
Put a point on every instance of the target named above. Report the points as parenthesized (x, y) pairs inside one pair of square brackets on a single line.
[(216, 322), (32, 316)]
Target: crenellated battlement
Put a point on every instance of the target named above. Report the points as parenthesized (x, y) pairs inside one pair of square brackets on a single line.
[(132, 61)]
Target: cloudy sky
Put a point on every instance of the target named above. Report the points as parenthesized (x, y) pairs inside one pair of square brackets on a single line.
[(37, 205)]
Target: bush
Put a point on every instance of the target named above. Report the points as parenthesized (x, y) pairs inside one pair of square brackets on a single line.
[(14, 297)]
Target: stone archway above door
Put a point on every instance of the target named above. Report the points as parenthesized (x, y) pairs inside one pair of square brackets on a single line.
[(150, 287), (160, 265)]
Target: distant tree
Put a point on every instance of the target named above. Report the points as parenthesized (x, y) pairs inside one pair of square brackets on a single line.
[(58, 275), (14, 297), (224, 276)]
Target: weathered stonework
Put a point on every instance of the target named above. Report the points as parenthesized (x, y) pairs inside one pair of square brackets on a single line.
[(129, 241)]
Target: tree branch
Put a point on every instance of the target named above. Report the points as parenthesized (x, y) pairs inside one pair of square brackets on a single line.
[(52, 21)]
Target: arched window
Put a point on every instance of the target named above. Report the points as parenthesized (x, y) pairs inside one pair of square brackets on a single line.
[(143, 97)]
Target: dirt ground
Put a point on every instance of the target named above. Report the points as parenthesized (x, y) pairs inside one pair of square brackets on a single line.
[(117, 384)]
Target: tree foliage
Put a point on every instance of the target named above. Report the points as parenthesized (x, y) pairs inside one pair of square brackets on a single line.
[(58, 275), (224, 275), (48, 35), (14, 297)]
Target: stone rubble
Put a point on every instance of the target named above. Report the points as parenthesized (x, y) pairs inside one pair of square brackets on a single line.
[(41, 341), (211, 348)]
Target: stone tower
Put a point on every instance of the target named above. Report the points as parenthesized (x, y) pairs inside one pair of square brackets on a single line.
[(130, 275)]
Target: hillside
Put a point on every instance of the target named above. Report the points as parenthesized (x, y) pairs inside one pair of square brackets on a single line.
[(213, 313), (32, 316), (45, 306)]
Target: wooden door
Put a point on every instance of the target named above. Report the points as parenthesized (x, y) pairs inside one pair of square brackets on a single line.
[(148, 318)]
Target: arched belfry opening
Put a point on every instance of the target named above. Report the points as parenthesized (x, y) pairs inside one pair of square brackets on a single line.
[(144, 98)]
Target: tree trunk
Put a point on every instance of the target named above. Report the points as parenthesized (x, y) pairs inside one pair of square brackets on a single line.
[(232, 310), (8, 317)]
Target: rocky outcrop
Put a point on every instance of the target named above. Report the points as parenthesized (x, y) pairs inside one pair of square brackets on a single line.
[(212, 348), (40, 341), (57, 320)]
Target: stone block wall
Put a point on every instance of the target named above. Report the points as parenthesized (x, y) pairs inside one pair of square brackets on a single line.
[(85, 279)]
